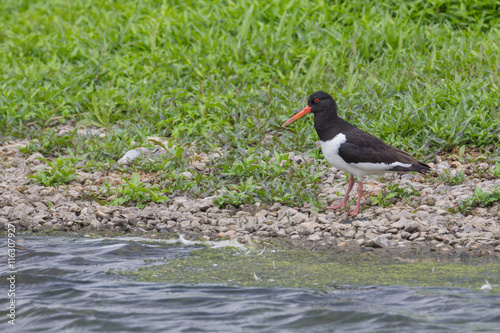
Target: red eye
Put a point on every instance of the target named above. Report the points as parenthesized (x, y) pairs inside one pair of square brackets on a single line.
[(316, 100)]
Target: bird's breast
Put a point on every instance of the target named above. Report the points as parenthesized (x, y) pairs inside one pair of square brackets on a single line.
[(330, 150)]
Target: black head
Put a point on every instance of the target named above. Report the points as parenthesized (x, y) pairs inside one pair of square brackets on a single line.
[(321, 104), (320, 101)]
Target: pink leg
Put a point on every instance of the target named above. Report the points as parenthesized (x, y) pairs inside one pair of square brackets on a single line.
[(360, 191), (349, 188)]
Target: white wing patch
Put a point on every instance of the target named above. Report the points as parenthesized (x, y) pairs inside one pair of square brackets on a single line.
[(380, 166)]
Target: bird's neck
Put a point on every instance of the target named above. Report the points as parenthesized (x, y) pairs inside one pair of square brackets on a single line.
[(328, 125)]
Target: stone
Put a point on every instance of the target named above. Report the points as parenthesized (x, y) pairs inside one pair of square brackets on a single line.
[(411, 226), (298, 218), (105, 209), (286, 212), (281, 233), (74, 208), (133, 220), (443, 237), (35, 159), (405, 234), (205, 203), (102, 215), (350, 234), (383, 229), (359, 234), (190, 206), (250, 227), (308, 228), (380, 241), (26, 222), (195, 225), (275, 207), (414, 236), (24, 209), (187, 174), (230, 234), (369, 234), (95, 225), (314, 237)]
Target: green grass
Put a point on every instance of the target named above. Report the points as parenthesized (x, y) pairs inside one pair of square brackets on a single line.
[(134, 191), (480, 198), (60, 171), (451, 180), (391, 193), (421, 75), (496, 170)]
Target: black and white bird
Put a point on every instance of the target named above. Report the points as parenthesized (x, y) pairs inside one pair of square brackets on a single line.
[(352, 150)]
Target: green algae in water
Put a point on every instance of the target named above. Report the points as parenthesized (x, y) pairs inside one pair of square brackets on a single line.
[(299, 268)]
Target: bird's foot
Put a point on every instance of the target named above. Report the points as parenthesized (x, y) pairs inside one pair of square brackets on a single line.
[(353, 213), (342, 204)]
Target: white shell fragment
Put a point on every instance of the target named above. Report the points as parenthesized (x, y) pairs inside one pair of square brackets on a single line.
[(132, 155)]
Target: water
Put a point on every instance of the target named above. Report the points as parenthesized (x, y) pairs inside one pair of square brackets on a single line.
[(64, 285)]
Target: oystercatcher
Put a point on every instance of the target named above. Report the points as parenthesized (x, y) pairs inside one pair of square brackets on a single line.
[(352, 150)]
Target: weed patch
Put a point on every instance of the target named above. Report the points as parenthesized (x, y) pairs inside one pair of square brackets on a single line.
[(60, 171), (391, 193), (134, 191), (480, 198)]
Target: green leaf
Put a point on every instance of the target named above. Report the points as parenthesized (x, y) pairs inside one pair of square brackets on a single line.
[(118, 201), (496, 170), (390, 195), (135, 180), (178, 153)]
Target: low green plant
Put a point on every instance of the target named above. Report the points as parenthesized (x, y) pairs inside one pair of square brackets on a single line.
[(268, 177), (238, 194), (288, 190), (496, 170), (480, 198), (134, 191), (452, 180), (60, 171), (48, 143), (106, 148), (175, 183), (386, 197), (461, 154), (259, 166)]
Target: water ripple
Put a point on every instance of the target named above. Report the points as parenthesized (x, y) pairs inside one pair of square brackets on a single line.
[(63, 286)]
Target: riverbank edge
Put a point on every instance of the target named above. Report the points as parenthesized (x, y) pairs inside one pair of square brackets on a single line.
[(427, 220)]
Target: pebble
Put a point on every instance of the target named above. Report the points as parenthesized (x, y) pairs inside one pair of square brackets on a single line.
[(299, 218), (314, 237), (380, 241)]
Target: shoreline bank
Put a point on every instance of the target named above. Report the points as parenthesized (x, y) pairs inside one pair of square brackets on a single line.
[(430, 219)]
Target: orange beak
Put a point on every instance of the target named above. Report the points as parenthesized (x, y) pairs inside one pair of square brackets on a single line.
[(304, 111)]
